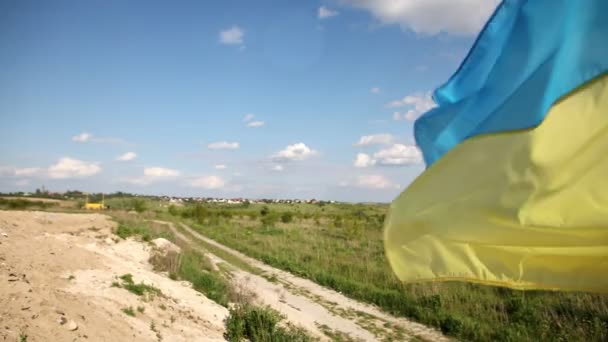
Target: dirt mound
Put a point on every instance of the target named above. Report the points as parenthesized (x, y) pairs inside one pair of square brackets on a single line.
[(60, 281)]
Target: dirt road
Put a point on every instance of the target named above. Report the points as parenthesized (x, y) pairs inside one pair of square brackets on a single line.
[(310, 305)]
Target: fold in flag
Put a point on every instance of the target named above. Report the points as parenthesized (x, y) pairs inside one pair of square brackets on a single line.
[(516, 189)]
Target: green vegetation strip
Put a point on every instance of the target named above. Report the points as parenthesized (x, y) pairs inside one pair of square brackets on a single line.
[(22, 204)]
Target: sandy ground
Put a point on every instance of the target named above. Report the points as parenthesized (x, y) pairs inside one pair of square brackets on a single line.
[(56, 272), (310, 305)]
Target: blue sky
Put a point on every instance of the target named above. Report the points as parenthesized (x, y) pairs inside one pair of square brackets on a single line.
[(282, 99)]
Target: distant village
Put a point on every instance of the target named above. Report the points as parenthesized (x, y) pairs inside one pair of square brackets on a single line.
[(238, 200), (75, 194)]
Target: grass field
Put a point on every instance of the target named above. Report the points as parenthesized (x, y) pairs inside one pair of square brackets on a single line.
[(340, 246)]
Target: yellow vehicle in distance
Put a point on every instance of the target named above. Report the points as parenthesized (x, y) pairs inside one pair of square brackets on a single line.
[(94, 206)]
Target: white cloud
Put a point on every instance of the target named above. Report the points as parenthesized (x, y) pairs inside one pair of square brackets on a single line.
[(223, 145), (255, 124), (82, 137), (232, 36), (73, 168), (375, 139), (325, 13), (364, 160), (419, 104), (86, 137), (458, 17), (375, 182), (207, 182), (28, 171), (127, 156), (375, 90), (248, 117), (160, 172), (295, 152), (154, 174), (220, 167), (277, 168), (398, 154)]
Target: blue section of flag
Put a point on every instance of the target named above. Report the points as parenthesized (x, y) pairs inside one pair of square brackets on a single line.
[(529, 55)]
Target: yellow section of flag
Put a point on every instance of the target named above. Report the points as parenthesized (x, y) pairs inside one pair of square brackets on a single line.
[(525, 209)]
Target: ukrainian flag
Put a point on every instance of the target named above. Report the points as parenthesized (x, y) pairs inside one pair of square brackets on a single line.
[(516, 187)]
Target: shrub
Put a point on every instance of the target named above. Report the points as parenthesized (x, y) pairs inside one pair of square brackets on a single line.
[(139, 205), (269, 220), (287, 217), (260, 324), (173, 210)]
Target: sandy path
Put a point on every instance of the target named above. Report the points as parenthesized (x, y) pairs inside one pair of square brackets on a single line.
[(308, 304), (56, 266)]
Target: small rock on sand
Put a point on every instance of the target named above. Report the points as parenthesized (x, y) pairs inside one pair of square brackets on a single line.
[(71, 326)]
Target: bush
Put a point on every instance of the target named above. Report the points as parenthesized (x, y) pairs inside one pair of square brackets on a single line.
[(287, 217), (138, 205), (173, 210), (260, 324), (269, 220)]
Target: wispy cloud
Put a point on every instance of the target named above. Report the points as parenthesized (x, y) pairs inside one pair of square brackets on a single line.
[(255, 124), (127, 156), (248, 117), (325, 13), (154, 174), (250, 122), (375, 139), (86, 137), (375, 90), (207, 182), (395, 155), (232, 36), (223, 145), (371, 182), (82, 137), (418, 103)]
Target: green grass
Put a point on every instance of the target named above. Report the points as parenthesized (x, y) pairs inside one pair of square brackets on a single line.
[(137, 289), (129, 311), (196, 269), (340, 246), (260, 324), (133, 226), (219, 252)]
